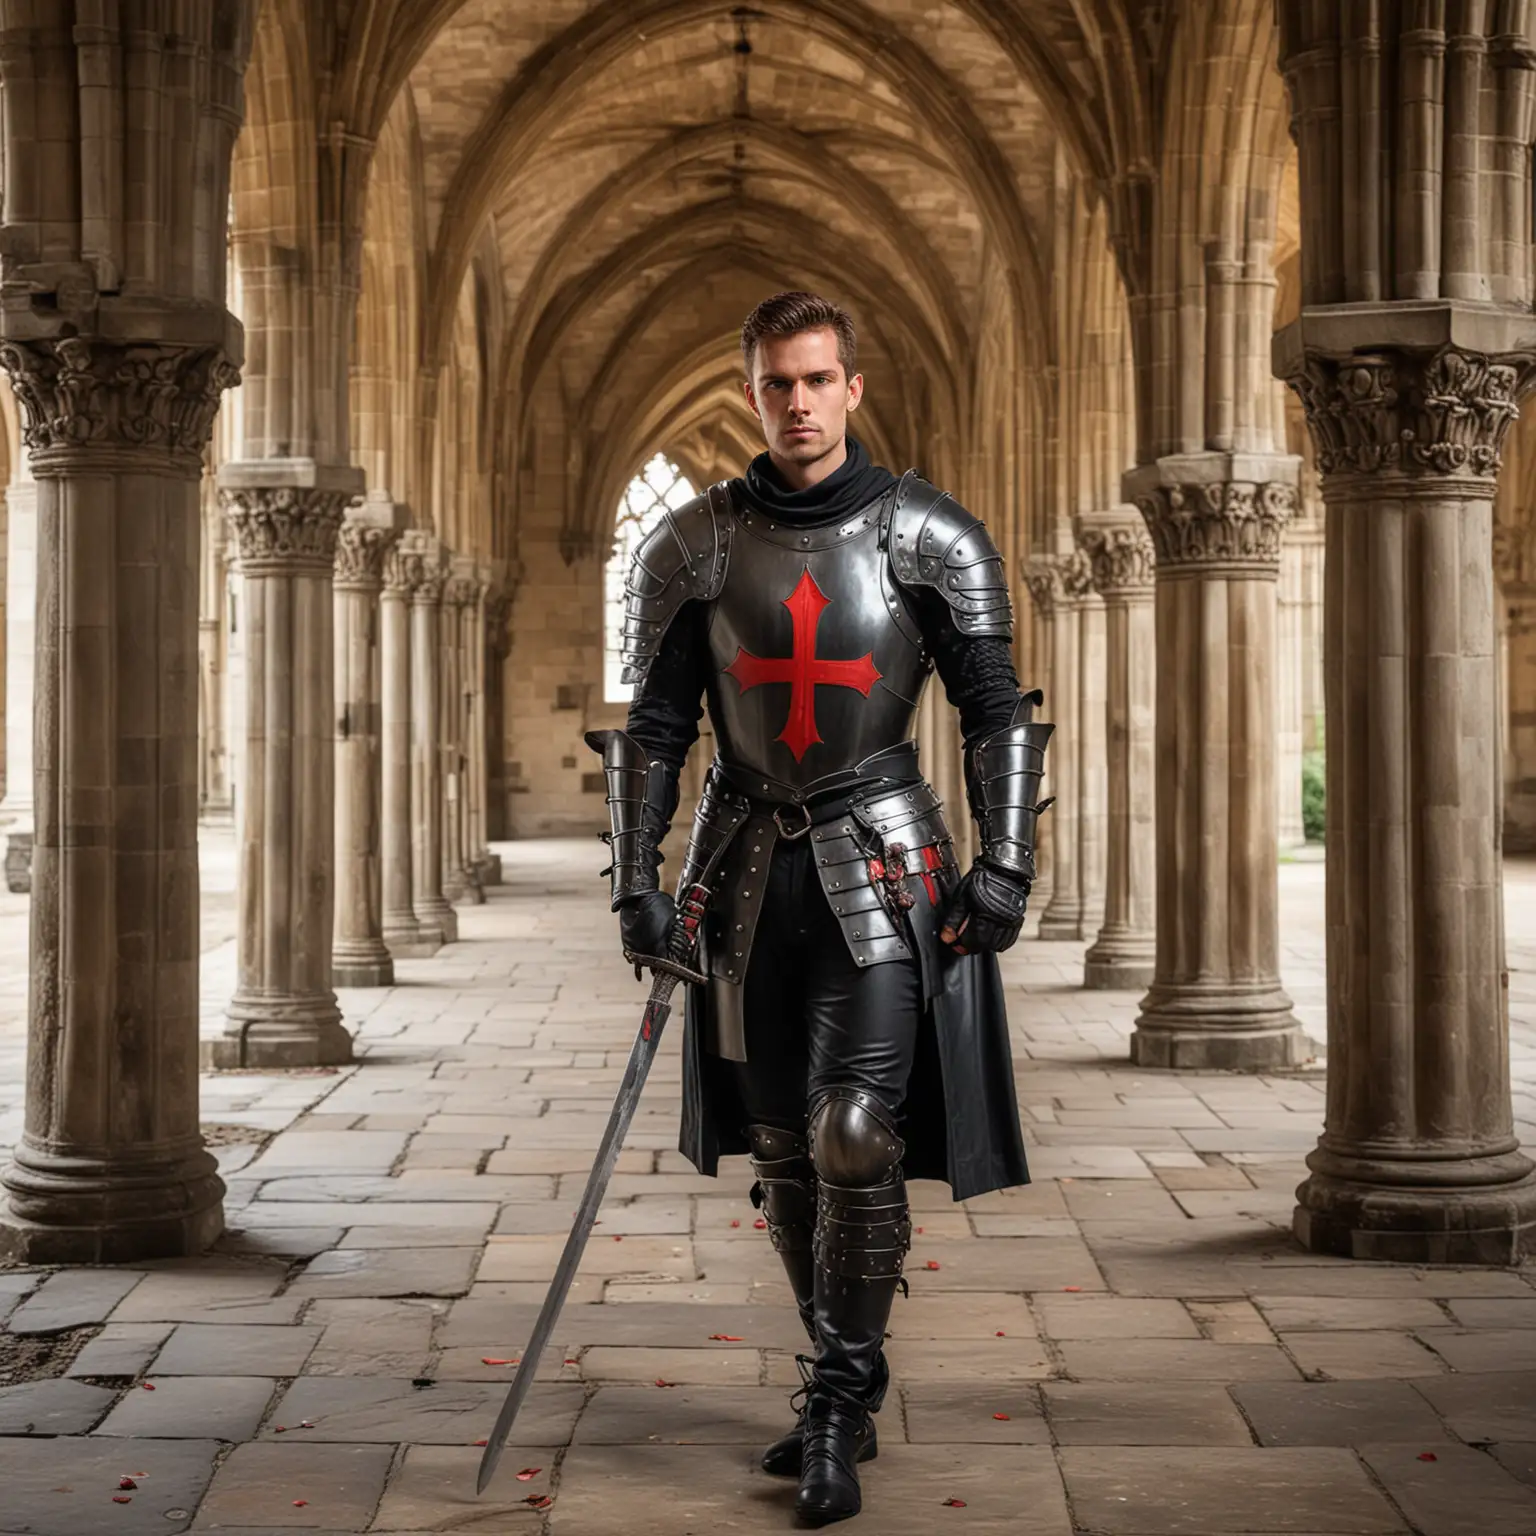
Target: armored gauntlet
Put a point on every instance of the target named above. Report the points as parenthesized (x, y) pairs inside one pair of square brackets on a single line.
[(1002, 781), (642, 796)]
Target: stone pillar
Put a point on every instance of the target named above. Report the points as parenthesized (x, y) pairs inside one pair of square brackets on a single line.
[(1121, 555), (213, 786), (1215, 1000), (111, 1167), (438, 922), (402, 932), (21, 499), (1092, 759), (359, 957), (285, 516), (1419, 1161), (1514, 554), (479, 853), (1060, 585), (497, 615), (1288, 697), (458, 593)]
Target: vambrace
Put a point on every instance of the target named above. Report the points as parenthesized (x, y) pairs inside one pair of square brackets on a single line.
[(642, 796), (1002, 779)]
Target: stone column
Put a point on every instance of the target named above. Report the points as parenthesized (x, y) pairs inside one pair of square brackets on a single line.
[(402, 932), (1288, 697), (438, 922), (284, 516), (1120, 551), (1060, 585), (111, 1167), (474, 650), (1092, 758), (1514, 554), (1419, 1161), (1215, 1000), (497, 615), (359, 957), (213, 790), (457, 591), (21, 499)]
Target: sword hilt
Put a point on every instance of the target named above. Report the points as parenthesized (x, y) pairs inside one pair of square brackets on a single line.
[(683, 943)]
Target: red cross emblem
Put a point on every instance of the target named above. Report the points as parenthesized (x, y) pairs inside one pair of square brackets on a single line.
[(802, 669)]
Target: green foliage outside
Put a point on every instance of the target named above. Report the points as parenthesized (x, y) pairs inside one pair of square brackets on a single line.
[(1314, 796)]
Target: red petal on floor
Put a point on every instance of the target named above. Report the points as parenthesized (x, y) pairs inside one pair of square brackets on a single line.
[(919, 1231), (735, 1223), (661, 1383), (300, 1503), (1003, 1416), (761, 1224), (538, 1500), (491, 1360), (279, 1429), (126, 1482), (572, 1362), (931, 1264), (307, 1424), (1071, 1287), (1001, 1334), (528, 1474), (121, 1498), (727, 1338), (1428, 1456), (148, 1386), (954, 1503), (618, 1237), (482, 1442)]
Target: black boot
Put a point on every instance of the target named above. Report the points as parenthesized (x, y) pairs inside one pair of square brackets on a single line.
[(862, 1236), (785, 1192)]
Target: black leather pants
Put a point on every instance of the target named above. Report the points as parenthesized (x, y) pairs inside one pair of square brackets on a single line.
[(814, 1019)]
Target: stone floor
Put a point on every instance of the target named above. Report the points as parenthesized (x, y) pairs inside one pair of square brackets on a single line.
[(1131, 1346)]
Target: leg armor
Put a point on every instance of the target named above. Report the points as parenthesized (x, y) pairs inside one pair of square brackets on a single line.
[(785, 1192), (862, 1228)]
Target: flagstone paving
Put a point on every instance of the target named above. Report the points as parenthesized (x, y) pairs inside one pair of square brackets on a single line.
[(1131, 1346)]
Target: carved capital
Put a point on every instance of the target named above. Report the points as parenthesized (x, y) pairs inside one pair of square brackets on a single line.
[(1231, 525), (415, 567), (284, 530), (82, 396), (1059, 581), (462, 592), (1122, 559), (1410, 415), (362, 551)]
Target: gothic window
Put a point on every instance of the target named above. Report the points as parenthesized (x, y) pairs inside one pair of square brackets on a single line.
[(660, 485)]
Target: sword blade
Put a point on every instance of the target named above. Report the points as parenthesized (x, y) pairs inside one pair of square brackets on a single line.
[(657, 1008)]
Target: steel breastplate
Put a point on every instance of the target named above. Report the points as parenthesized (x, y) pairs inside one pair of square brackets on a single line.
[(816, 658)]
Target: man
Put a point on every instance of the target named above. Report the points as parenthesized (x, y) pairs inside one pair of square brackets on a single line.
[(852, 1028)]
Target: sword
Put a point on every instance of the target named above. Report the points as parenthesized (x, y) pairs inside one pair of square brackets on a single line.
[(668, 970)]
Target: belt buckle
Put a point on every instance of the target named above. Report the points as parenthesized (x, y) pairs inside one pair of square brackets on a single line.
[(789, 834)]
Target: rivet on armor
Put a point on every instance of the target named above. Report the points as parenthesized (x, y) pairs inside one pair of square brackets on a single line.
[(746, 895), (739, 927)]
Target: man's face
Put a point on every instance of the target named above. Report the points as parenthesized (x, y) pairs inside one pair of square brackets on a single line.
[(801, 395)]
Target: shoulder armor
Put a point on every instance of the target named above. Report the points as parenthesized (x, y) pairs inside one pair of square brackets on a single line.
[(934, 542), (684, 556)]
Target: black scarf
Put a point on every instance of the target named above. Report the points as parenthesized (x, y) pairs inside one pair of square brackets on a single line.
[(852, 485)]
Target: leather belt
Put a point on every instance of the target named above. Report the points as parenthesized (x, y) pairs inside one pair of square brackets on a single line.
[(893, 768), (794, 820)]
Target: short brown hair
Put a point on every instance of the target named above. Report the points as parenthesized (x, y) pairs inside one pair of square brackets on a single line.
[(787, 314)]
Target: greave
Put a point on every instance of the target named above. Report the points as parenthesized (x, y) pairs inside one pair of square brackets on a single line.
[(862, 1236), (785, 1192)]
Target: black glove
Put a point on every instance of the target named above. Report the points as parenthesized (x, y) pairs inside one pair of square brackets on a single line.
[(986, 911), (646, 922)]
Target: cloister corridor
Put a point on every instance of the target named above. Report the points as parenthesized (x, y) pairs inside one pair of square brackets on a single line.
[(1163, 1357)]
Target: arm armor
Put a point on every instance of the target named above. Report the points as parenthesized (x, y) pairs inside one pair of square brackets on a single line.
[(934, 542), (684, 556), (1002, 780), (642, 796)]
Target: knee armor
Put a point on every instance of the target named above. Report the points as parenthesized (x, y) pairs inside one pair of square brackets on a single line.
[(785, 1191), (862, 1226)]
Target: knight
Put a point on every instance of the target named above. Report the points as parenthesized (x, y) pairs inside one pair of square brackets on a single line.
[(850, 1032)]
